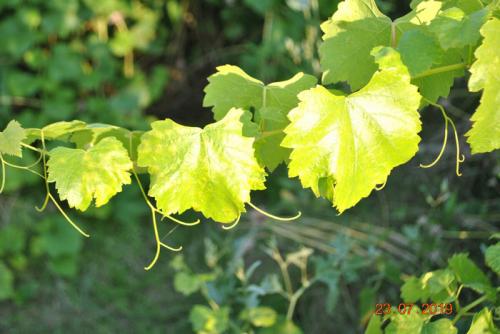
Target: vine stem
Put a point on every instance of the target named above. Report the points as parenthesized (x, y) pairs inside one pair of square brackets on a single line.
[(441, 69), (469, 307), (47, 189), (294, 299)]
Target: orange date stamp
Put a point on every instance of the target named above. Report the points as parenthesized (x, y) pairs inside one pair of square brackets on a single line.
[(405, 308)]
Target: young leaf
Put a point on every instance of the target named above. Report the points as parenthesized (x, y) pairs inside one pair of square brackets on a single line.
[(207, 321), (493, 257), (211, 170), (485, 133), (11, 139), (98, 173), (260, 316), (354, 142), (351, 33), (282, 326), (231, 87)]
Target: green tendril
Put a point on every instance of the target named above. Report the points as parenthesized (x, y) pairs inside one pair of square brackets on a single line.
[(180, 222), (159, 243), (447, 121), (269, 215), (28, 168), (380, 187), (233, 225), (2, 184)]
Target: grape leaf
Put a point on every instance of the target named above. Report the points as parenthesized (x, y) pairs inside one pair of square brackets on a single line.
[(97, 173), (421, 15), (493, 257), (59, 130), (455, 29), (211, 170), (351, 33), (412, 290), (207, 321), (419, 51), (374, 325), (485, 133), (352, 143), (434, 286), (412, 323), (469, 274), (232, 87), (482, 323), (11, 139), (468, 6), (441, 326), (439, 84)]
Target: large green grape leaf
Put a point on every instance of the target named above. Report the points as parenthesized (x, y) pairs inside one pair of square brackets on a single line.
[(351, 33), (97, 173), (455, 29), (351, 143), (231, 87), (419, 51), (432, 86), (421, 15), (469, 274), (211, 170), (359, 27), (11, 139), (468, 6), (485, 133), (493, 257)]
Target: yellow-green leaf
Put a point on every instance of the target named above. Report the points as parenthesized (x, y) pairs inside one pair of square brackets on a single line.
[(485, 133), (343, 146), (83, 175), (211, 170), (11, 139)]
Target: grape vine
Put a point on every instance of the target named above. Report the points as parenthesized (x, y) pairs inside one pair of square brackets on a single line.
[(340, 140)]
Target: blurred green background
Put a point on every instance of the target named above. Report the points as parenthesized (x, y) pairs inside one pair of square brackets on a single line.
[(128, 62)]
